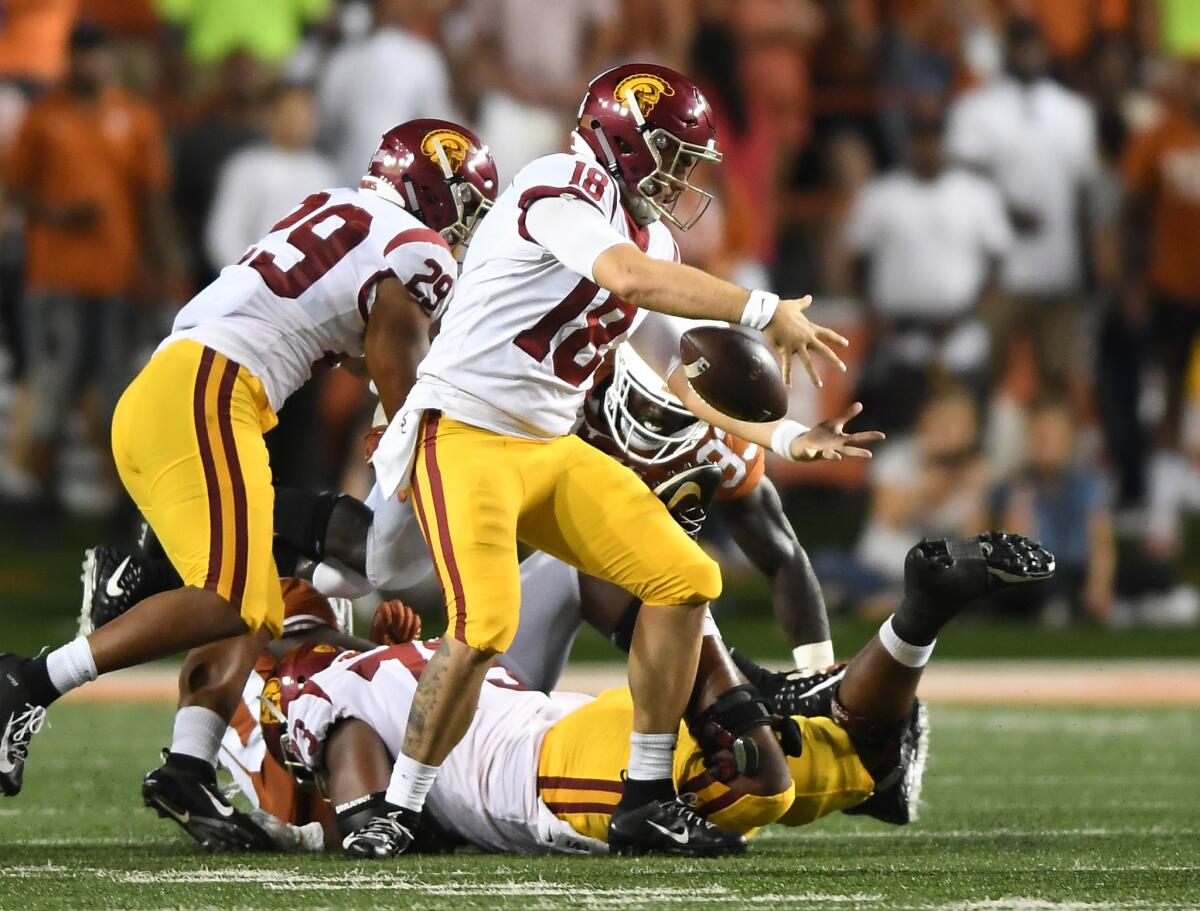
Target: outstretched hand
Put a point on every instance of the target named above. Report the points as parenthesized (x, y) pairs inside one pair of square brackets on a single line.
[(791, 332), (830, 441)]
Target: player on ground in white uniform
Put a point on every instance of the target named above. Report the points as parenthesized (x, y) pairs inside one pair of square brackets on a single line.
[(555, 279), (537, 773), (349, 272)]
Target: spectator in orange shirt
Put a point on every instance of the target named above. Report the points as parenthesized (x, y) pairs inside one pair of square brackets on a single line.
[(88, 169), (1161, 169)]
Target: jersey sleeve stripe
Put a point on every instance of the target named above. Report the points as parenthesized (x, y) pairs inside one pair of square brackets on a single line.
[(533, 194), (416, 235), (365, 291)]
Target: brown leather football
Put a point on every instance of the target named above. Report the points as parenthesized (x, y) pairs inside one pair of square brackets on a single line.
[(734, 372)]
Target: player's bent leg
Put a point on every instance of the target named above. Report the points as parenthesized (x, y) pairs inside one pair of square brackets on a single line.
[(468, 492), (202, 479), (581, 780), (828, 775), (875, 701), (606, 522)]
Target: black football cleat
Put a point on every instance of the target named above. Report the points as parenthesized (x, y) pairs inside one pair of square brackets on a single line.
[(670, 827), (203, 811), (20, 719), (114, 581), (387, 835), (897, 797), (943, 576), (688, 494)]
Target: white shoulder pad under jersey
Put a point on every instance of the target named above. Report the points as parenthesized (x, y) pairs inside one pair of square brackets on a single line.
[(302, 295), (519, 346)]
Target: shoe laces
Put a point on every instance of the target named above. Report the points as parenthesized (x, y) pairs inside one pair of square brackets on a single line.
[(688, 814), (22, 727), (385, 828)]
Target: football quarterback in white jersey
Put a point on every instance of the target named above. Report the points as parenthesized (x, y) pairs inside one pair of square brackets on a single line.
[(571, 253), (347, 272)]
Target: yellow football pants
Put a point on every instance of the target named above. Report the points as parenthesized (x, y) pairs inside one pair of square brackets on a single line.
[(477, 493), (187, 438), (583, 755)]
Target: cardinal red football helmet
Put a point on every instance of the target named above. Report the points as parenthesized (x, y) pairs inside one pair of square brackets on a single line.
[(440, 172), (291, 674), (650, 127)]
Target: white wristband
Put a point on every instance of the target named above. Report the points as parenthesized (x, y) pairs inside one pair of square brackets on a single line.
[(783, 437), (760, 309)]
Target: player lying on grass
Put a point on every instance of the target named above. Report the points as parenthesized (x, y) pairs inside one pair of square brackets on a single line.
[(540, 772), (308, 618)]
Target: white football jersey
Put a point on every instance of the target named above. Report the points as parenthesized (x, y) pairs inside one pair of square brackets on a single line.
[(301, 295), (486, 791), (518, 348)]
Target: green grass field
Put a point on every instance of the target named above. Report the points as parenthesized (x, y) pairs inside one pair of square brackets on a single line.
[(1025, 808)]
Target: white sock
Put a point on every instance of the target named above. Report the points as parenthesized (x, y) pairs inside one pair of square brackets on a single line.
[(71, 665), (198, 733), (905, 652), (411, 782), (650, 756), (813, 657), (336, 581)]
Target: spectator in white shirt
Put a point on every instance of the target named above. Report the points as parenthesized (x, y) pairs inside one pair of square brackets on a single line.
[(369, 86), (535, 59), (927, 241), (1037, 140), (259, 184)]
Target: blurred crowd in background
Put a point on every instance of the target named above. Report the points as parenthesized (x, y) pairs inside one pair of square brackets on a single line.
[(998, 201)]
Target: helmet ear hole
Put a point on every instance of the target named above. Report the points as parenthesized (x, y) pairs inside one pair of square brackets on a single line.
[(624, 147)]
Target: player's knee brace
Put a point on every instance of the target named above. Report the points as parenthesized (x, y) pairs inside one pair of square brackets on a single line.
[(877, 742)]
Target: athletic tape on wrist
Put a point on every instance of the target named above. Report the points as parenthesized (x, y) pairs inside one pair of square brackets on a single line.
[(783, 437), (905, 652), (815, 656), (760, 309)]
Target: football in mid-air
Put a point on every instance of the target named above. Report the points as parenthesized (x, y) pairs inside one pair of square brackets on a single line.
[(734, 372)]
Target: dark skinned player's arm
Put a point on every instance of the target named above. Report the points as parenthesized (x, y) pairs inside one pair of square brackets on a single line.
[(396, 340), (357, 762), (603, 605), (759, 527)]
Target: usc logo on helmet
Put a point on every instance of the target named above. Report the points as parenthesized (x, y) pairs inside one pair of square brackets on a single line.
[(270, 696), (647, 90), (455, 145)]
